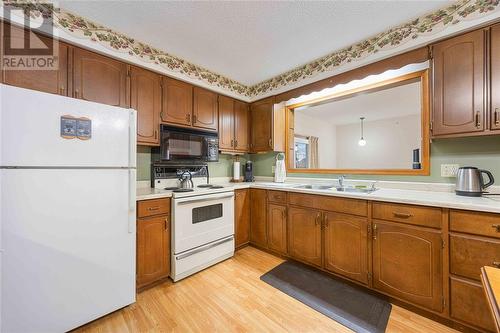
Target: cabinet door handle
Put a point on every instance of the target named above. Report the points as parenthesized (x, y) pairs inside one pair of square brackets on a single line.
[(232, 143), (194, 118), (497, 116), (166, 223), (156, 134), (374, 231), (318, 219), (76, 94), (188, 118), (235, 143), (325, 221), (153, 208), (478, 119), (61, 90), (402, 215), (496, 226), (270, 143)]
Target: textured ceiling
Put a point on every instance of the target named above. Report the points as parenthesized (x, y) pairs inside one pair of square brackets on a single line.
[(251, 41)]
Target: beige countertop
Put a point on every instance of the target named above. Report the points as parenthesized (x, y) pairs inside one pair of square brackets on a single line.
[(441, 198)]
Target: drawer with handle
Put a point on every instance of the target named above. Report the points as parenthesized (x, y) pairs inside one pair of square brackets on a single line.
[(276, 196), (410, 214), (469, 253), (477, 223), (153, 207)]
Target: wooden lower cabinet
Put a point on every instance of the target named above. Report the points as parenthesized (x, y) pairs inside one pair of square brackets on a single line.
[(258, 221), (153, 249), (407, 263), (242, 217), (468, 304), (276, 228), (346, 245), (304, 235)]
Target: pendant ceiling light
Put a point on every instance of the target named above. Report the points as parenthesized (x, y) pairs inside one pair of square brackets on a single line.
[(362, 141)]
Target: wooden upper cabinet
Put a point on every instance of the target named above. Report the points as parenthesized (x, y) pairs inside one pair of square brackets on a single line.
[(205, 113), (233, 125), (495, 77), (261, 118), (99, 79), (267, 126), (49, 81), (145, 97), (459, 77), (304, 235), (346, 245), (153, 249), (258, 221), (276, 228), (241, 126), (226, 123), (177, 102), (242, 217), (407, 263)]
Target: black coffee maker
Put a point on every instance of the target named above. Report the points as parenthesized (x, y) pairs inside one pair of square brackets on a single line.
[(249, 172)]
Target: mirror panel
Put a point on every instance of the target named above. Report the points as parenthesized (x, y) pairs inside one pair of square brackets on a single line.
[(381, 129)]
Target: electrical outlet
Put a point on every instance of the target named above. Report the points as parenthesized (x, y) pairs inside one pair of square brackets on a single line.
[(449, 170), (273, 168)]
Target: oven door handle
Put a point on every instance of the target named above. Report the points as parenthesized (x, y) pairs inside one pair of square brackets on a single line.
[(190, 200), (203, 248)]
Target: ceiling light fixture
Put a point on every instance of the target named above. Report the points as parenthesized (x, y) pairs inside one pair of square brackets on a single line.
[(362, 141)]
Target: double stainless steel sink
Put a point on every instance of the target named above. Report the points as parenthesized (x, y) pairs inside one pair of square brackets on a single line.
[(352, 189)]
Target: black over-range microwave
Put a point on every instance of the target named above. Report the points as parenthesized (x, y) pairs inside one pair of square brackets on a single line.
[(179, 144)]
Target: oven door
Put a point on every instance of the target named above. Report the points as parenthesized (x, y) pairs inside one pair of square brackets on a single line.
[(202, 219), (182, 146)]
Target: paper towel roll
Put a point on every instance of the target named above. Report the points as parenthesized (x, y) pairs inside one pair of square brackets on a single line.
[(236, 170)]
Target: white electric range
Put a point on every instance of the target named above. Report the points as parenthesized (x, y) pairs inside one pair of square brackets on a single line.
[(202, 220)]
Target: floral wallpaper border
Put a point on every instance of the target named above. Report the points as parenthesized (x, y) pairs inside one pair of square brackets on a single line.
[(117, 42)]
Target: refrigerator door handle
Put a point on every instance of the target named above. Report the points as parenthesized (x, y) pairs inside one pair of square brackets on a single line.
[(132, 139), (132, 200)]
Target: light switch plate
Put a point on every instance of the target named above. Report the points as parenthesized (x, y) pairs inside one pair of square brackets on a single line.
[(449, 170)]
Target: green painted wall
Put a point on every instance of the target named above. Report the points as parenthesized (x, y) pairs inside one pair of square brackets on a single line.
[(223, 168), (482, 152), (143, 163)]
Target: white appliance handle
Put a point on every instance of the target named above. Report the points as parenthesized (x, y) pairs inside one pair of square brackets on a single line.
[(204, 248), (131, 200), (203, 198), (132, 160)]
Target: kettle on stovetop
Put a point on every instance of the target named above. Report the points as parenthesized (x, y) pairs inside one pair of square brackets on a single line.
[(186, 180), (470, 181)]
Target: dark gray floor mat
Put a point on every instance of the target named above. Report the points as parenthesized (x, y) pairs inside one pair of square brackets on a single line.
[(350, 306)]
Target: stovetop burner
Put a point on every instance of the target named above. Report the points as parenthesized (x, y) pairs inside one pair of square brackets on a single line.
[(210, 186), (171, 188), (181, 190)]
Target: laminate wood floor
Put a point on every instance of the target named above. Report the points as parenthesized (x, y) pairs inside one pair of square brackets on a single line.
[(230, 297)]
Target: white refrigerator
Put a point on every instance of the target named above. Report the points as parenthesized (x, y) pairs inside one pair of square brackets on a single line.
[(67, 236)]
